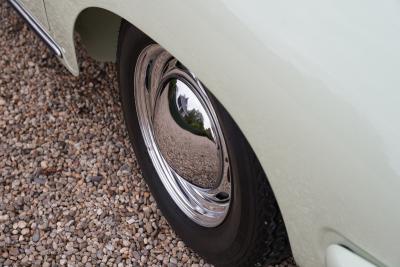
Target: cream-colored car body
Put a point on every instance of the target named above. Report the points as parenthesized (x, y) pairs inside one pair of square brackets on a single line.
[(315, 87)]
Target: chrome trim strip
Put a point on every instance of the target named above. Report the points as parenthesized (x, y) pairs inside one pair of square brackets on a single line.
[(37, 28)]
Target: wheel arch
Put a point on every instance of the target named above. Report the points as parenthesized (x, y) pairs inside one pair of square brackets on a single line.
[(98, 31), (86, 16), (102, 45)]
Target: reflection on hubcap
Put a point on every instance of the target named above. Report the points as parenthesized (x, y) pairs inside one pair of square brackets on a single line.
[(183, 137)]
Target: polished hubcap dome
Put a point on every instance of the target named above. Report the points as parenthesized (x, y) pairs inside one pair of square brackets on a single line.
[(183, 136)]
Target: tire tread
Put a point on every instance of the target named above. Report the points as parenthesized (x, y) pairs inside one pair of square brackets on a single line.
[(271, 244)]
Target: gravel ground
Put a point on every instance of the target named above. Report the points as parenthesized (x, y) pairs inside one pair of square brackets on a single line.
[(71, 190)]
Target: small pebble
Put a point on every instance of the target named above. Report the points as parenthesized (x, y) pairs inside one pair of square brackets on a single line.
[(3, 218), (36, 235), (22, 224)]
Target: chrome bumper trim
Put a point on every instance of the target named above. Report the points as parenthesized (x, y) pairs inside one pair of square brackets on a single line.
[(36, 27)]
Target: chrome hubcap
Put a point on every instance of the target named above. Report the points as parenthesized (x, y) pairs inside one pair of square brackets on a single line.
[(183, 136)]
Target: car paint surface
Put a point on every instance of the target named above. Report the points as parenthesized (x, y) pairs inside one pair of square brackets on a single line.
[(338, 256), (314, 86), (37, 9)]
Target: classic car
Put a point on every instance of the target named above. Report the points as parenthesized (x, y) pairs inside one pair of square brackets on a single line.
[(264, 129)]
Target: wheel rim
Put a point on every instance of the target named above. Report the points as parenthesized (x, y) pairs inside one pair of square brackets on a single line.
[(183, 136)]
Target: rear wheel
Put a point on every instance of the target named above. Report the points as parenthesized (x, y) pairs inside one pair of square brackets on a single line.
[(202, 172)]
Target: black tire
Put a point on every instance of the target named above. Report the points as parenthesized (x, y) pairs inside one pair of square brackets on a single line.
[(253, 233)]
